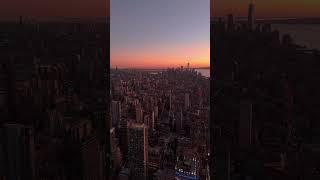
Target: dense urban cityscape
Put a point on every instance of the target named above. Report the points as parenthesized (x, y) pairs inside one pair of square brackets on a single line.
[(66, 114), (54, 81), (263, 103), (159, 124)]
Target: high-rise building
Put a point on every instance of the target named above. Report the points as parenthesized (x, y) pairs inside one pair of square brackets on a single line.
[(92, 155), (179, 122), (115, 152), (154, 157), (4, 82), (139, 114), (19, 148), (138, 150), (230, 22), (187, 101), (235, 72), (251, 15), (156, 112), (123, 138), (153, 121), (245, 124), (169, 101), (116, 112), (102, 119)]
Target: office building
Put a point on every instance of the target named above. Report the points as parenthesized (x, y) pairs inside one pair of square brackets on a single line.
[(19, 148), (115, 113), (251, 15), (186, 101), (138, 150), (139, 114)]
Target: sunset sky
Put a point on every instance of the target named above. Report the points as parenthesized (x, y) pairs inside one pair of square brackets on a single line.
[(160, 33), (268, 8)]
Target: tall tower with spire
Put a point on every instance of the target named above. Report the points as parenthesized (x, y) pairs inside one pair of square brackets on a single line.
[(251, 14)]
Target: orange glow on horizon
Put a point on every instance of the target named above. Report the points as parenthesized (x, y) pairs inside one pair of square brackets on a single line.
[(163, 57), (159, 62)]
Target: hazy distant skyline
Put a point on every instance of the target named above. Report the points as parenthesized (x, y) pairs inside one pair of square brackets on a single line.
[(159, 33), (267, 8)]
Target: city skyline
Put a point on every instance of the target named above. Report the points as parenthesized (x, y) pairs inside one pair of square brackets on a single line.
[(183, 95), (161, 122), (159, 34), (267, 9)]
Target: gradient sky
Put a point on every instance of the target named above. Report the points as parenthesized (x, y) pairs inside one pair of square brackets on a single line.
[(159, 33), (268, 8), (11, 9)]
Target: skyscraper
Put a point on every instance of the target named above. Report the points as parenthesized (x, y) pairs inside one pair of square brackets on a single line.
[(186, 101), (116, 112), (139, 114), (123, 137), (156, 111), (251, 15), (179, 122), (138, 150), (245, 124), (152, 123), (101, 119), (170, 101), (4, 89), (230, 22), (19, 148)]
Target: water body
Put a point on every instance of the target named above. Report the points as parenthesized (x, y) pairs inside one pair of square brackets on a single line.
[(204, 72), (303, 34)]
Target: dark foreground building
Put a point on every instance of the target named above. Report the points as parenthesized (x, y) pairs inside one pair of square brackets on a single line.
[(54, 108), (264, 103)]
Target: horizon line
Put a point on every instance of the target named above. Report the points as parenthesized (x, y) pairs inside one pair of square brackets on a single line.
[(207, 67)]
